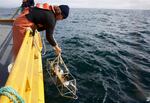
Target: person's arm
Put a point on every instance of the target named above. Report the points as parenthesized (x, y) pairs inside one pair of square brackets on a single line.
[(51, 40), (49, 37), (41, 28)]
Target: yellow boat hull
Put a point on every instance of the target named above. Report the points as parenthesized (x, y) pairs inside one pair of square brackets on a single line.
[(26, 76)]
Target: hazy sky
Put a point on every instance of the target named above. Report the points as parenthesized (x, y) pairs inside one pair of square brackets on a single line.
[(116, 4)]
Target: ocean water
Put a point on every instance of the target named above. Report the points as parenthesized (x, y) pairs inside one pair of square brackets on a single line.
[(108, 52)]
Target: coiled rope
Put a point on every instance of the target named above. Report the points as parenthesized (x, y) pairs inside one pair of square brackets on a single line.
[(11, 94)]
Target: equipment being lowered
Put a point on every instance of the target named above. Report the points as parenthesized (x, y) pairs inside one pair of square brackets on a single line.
[(62, 78)]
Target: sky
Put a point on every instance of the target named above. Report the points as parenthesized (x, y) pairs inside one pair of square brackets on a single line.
[(109, 4)]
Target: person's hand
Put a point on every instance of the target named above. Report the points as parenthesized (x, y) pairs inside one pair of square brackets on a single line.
[(57, 50)]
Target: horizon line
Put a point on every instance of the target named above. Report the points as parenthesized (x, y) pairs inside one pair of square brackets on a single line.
[(92, 8)]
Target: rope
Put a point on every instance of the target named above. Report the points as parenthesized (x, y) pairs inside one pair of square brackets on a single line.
[(62, 62), (44, 46), (11, 94), (58, 60), (35, 44)]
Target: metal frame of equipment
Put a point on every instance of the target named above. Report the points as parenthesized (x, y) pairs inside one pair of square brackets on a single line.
[(62, 78)]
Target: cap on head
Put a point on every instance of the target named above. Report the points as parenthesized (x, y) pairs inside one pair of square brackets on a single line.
[(64, 10)]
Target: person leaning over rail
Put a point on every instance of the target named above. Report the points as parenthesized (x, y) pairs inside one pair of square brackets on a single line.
[(41, 17)]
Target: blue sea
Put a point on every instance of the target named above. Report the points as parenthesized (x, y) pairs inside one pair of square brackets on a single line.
[(107, 51)]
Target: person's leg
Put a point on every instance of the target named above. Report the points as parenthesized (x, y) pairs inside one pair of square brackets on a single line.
[(19, 29)]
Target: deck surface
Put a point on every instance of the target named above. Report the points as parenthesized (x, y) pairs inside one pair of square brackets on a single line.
[(5, 52)]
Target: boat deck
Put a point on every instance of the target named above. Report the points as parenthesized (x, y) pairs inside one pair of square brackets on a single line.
[(5, 52)]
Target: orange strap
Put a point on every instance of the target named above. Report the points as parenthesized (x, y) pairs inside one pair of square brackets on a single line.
[(45, 6)]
